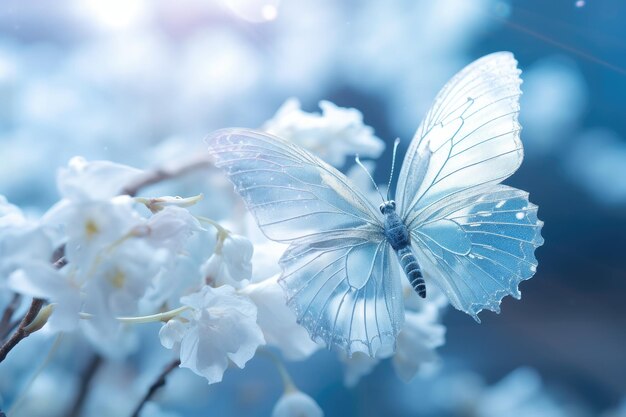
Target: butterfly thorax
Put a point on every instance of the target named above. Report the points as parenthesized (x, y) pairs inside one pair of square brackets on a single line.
[(395, 230)]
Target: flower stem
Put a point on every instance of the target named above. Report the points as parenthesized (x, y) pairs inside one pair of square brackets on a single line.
[(288, 383), (89, 373), (5, 322), (160, 382), (165, 316), (21, 332), (213, 223)]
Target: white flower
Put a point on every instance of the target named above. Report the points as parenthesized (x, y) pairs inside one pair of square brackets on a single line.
[(416, 343), (181, 276), (121, 279), (220, 328), (23, 246), (169, 228), (277, 320), (231, 262), (96, 180), (296, 404), (54, 286), (333, 135), (92, 226), (25, 253), (356, 366), (522, 394), (10, 215)]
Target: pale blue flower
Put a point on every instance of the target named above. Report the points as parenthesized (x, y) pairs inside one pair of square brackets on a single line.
[(333, 135)]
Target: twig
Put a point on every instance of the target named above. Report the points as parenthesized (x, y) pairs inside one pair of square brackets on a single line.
[(21, 331), (62, 261), (160, 381), (12, 326), (162, 174), (5, 322), (90, 371)]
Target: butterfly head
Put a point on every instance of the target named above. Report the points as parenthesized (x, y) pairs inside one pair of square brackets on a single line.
[(388, 206)]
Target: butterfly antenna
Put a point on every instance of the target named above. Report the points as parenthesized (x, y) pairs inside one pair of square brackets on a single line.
[(358, 161), (393, 165)]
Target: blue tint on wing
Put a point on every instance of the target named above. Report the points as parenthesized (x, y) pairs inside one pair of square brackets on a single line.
[(291, 193), (345, 290), (502, 230), (470, 136), (474, 238)]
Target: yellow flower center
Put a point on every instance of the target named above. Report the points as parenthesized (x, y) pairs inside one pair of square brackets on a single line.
[(91, 228), (118, 279)]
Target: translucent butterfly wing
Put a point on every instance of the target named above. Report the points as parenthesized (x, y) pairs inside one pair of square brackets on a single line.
[(339, 276), (480, 247), (470, 136), (345, 290), (473, 237), (291, 193)]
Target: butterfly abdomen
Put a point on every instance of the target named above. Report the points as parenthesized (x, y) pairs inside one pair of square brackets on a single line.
[(412, 270), (399, 238)]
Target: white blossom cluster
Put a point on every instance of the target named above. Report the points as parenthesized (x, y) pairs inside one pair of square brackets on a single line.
[(106, 262)]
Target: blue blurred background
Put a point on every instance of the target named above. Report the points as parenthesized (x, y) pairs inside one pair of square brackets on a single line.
[(141, 82)]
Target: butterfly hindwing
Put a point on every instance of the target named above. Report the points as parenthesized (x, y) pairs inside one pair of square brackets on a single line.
[(499, 228), (345, 290)]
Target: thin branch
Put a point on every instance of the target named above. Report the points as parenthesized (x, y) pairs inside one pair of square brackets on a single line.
[(62, 261), (165, 173), (12, 326), (85, 383), (160, 382), (21, 332), (5, 321)]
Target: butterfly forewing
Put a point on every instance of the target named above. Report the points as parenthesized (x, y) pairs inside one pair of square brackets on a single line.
[(291, 193), (470, 136)]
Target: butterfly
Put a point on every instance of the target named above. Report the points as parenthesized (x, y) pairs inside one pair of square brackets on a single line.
[(451, 224)]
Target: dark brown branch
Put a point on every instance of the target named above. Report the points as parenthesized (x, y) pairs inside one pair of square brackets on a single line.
[(85, 383), (21, 332), (160, 382), (5, 321), (163, 174)]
